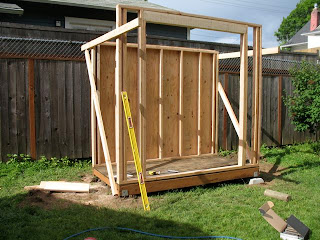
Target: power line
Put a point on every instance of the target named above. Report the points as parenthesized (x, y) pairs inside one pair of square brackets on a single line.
[(245, 6)]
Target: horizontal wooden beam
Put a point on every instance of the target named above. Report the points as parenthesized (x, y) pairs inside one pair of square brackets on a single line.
[(134, 8), (135, 23), (266, 51), (161, 47), (193, 22)]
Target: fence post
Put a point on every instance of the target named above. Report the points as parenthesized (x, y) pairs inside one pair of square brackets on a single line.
[(280, 110), (32, 119)]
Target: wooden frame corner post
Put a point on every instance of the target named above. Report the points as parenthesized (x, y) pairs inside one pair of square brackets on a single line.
[(120, 42), (243, 99), (142, 54), (93, 114)]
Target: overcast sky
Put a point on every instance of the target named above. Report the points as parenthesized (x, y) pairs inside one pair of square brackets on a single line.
[(268, 13)]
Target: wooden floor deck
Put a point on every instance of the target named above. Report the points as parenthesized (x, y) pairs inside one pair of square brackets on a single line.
[(193, 171)]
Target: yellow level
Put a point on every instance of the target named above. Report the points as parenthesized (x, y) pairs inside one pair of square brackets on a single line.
[(135, 151)]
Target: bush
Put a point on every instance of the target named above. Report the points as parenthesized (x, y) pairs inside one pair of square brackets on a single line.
[(304, 103)]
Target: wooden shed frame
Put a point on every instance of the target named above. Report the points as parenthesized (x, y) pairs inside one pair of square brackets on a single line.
[(243, 169)]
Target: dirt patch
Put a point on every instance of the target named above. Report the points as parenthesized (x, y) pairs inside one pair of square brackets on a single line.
[(99, 196), (269, 173)]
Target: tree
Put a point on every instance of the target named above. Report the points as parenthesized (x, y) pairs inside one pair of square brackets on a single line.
[(304, 103), (295, 21)]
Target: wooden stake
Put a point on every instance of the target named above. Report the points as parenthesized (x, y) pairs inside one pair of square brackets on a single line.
[(225, 114), (32, 119)]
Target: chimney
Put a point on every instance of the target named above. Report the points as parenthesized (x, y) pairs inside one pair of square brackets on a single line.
[(315, 18)]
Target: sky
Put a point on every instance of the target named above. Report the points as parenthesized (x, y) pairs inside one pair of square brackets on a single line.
[(268, 13)]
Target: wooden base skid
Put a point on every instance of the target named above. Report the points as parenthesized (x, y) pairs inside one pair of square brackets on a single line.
[(184, 181)]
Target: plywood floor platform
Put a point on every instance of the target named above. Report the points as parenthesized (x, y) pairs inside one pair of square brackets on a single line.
[(194, 171)]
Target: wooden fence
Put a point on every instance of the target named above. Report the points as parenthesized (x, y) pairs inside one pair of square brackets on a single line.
[(57, 122)]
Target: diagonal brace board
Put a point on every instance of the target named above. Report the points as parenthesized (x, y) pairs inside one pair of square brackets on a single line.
[(232, 115), (100, 124), (135, 23)]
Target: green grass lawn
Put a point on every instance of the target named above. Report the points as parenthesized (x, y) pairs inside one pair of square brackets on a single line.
[(228, 209)]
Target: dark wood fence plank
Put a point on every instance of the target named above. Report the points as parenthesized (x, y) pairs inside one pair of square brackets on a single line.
[(70, 109), (4, 101)]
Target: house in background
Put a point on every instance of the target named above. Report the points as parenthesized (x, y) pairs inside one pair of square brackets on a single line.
[(88, 15), (307, 39)]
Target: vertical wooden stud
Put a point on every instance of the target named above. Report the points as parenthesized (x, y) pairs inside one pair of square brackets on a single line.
[(225, 114), (215, 116), (161, 105), (124, 71), (32, 119), (181, 106), (142, 91), (280, 110), (199, 103), (255, 93), (118, 107), (260, 82), (98, 77), (93, 114), (243, 99)]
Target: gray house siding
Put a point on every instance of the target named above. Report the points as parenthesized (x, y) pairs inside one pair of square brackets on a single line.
[(46, 15)]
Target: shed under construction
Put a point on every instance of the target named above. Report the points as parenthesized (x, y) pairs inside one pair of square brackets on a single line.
[(173, 94)]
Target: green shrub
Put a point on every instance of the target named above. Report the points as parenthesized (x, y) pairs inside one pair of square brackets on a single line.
[(304, 103)]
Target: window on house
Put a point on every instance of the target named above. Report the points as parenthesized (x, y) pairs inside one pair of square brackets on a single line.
[(89, 24)]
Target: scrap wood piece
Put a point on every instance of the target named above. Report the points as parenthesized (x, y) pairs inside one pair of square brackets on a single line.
[(60, 186), (271, 217), (277, 195)]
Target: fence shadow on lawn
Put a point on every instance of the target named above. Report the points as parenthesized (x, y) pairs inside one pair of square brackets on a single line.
[(61, 218)]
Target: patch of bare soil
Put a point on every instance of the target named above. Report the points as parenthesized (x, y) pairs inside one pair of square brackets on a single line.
[(269, 173), (99, 196)]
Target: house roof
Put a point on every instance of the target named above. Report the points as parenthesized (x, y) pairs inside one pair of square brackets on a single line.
[(10, 8), (101, 4), (299, 39)]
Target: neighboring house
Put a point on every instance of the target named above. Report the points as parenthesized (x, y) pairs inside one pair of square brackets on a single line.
[(307, 39), (91, 15)]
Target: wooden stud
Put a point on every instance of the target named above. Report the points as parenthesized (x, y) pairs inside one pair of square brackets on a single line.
[(217, 103), (255, 93), (214, 110), (280, 110), (135, 23), (199, 103), (98, 82), (118, 107), (193, 22), (124, 72), (161, 105), (93, 114), (32, 119), (243, 99), (142, 91), (100, 124), (225, 117), (181, 106), (260, 82)]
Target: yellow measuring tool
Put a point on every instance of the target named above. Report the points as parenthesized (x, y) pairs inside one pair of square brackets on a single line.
[(135, 151)]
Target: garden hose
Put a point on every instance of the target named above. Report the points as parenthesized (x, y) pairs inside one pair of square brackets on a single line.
[(149, 234)]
